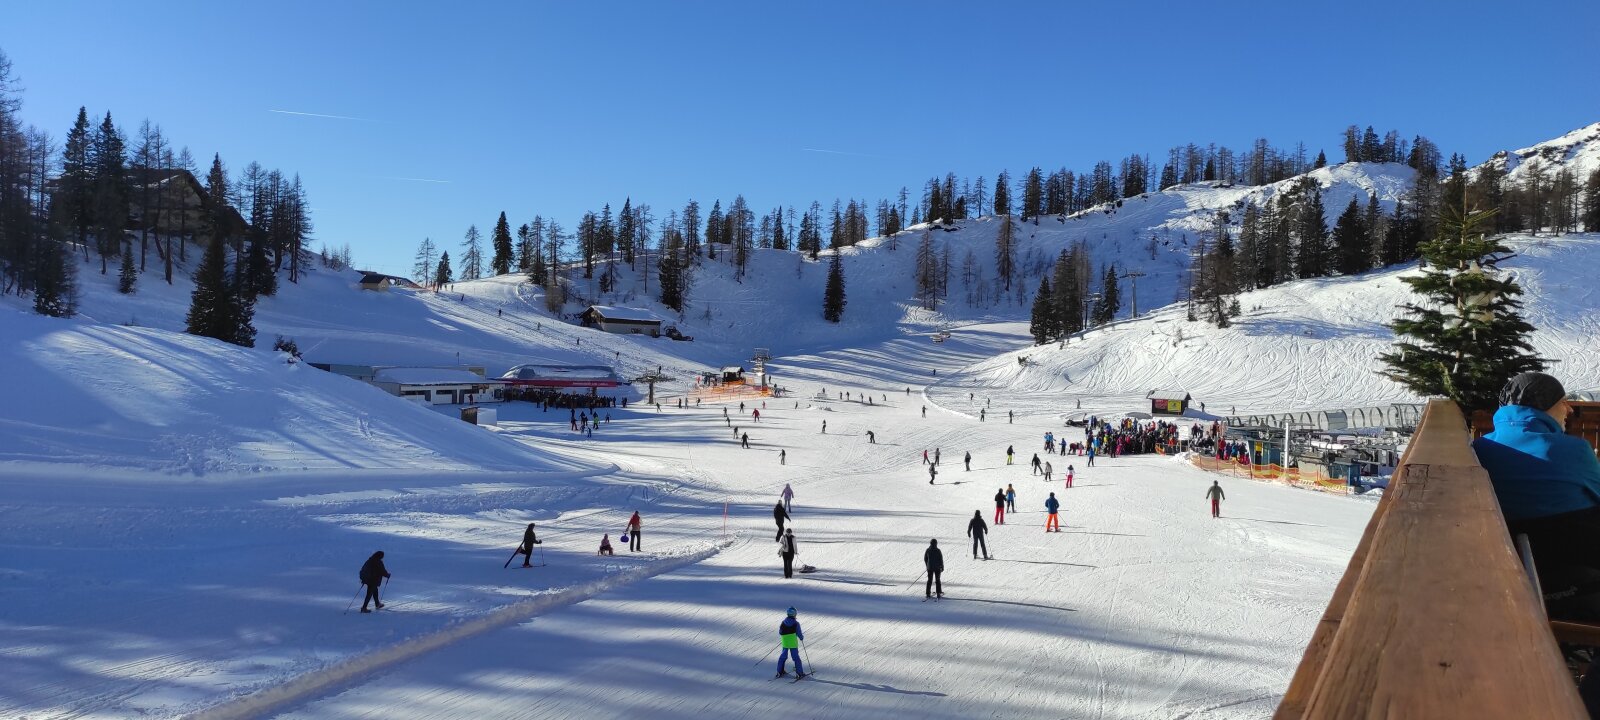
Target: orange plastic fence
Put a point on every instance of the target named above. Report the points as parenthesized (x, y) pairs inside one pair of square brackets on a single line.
[(1273, 473)]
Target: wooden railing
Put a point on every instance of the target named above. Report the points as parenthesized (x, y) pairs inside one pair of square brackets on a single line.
[(1435, 616)]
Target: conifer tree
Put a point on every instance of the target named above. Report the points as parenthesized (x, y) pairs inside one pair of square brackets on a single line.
[(1311, 259), (442, 275), (833, 300), (1464, 335), (1002, 194), (259, 277), (1043, 324), (423, 267), (627, 231), (1110, 302), (109, 161), (927, 272), (1591, 202), (55, 290), (1069, 295), (215, 308), (1350, 241), (472, 254), (1005, 251), (1033, 196), (74, 198), (1322, 161), (670, 268), (128, 277), (501, 241)]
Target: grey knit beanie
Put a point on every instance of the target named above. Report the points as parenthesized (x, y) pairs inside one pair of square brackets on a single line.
[(1532, 389)]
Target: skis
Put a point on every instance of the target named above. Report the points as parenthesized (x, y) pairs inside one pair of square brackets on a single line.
[(935, 598), (802, 676)]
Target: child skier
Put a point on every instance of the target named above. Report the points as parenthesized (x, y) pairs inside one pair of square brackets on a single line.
[(790, 635), (779, 514)]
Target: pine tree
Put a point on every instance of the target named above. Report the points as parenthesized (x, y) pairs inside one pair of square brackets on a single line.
[(1002, 194), (1591, 202), (423, 267), (670, 268), (442, 275), (1033, 195), (1247, 272), (501, 241), (1110, 302), (833, 300), (74, 197), (128, 277), (259, 277), (1351, 242), (215, 308), (472, 254), (1069, 295), (927, 272), (1311, 259), (55, 290), (109, 161), (1322, 161), (1005, 251), (1043, 324), (627, 231), (1465, 336)]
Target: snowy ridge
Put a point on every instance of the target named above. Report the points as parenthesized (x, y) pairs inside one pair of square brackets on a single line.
[(1578, 151), (1304, 345)]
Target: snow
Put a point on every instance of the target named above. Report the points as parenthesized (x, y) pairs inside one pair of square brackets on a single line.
[(181, 520), (1578, 151)]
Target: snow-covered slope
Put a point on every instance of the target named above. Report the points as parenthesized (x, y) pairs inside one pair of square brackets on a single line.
[(1578, 151), (94, 397), (1305, 345)]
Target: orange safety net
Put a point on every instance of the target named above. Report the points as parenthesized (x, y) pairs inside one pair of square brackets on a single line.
[(1309, 479)]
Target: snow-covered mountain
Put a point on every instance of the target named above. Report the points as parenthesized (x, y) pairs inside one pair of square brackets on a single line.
[(1578, 151)]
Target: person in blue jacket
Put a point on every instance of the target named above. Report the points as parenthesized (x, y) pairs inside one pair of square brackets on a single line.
[(790, 634), (1548, 484)]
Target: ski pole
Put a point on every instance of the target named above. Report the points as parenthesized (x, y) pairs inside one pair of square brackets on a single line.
[(763, 658), (919, 577), (513, 556), (807, 653), (352, 602)]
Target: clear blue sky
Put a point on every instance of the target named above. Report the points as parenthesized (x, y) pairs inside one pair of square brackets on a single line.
[(556, 108)]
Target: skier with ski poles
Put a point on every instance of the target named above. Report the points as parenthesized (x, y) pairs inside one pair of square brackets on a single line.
[(372, 575), (529, 539), (1037, 467), (1011, 498), (933, 561), (1047, 470), (1214, 493), (789, 636), (780, 514), (976, 528), (1052, 520), (999, 507), (1009, 453)]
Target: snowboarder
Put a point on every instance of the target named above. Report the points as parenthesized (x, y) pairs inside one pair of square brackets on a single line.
[(1069, 476), (1011, 498), (788, 492), (933, 471), (872, 438), (969, 461), (999, 507), (1009, 453), (780, 514), (372, 574), (1216, 497), (787, 549), (976, 527), (1047, 471), (744, 440), (1052, 520), (529, 539), (790, 635), (605, 545), (634, 542), (933, 561), (1037, 467)]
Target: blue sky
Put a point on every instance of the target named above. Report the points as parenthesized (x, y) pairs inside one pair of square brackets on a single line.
[(461, 110)]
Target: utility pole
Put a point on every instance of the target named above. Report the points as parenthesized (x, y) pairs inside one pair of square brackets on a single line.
[(1133, 276)]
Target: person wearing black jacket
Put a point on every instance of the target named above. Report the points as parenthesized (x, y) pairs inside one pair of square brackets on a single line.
[(372, 574), (976, 528), (788, 550), (529, 539), (780, 514), (999, 507), (933, 560)]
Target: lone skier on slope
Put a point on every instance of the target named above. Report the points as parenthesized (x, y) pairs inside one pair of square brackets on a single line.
[(780, 514), (969, 461), (1052, 520), (999, 507), (787, 549), (529, 539), (976, 527), (372, 574), (790, 635), (1214, 493), (933, 560)]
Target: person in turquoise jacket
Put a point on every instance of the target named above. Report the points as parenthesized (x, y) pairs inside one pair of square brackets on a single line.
[(790, 634), (1548, 484)]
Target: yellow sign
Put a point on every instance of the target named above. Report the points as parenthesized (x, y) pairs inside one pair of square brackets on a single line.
[(1175, 407)]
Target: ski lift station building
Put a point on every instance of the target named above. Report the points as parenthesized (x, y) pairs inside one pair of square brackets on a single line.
[(623, 321), (445, 385), (1168, 402)]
